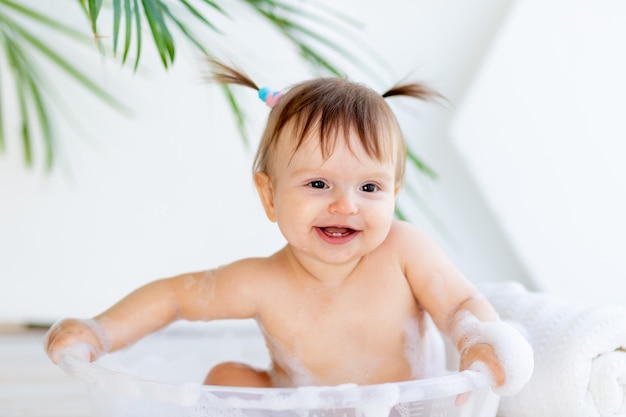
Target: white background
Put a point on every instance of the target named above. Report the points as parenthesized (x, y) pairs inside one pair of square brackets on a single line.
[(528, 153)]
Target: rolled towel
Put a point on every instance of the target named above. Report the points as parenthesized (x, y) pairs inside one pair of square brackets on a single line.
[(580, 355)]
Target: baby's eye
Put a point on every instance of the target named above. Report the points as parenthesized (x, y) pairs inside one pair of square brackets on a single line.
[(318, 184), (370, 188)]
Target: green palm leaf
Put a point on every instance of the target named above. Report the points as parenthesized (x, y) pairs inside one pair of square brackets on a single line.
[(163, 18), (160, 18), (420, 164), (18, 44)]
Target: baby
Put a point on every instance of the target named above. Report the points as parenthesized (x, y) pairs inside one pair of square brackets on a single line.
[(353, 295)]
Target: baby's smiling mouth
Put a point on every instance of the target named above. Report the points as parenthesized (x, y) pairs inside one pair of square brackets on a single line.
[(334, 231), (337, 235)]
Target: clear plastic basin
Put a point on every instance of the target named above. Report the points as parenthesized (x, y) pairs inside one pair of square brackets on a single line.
[(160, 375)]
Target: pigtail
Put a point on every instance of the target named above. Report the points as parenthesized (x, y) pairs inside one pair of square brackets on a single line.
[(415, 90), (223, 74)]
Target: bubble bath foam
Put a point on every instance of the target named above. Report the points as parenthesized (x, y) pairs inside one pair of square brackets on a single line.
[(160, 376)]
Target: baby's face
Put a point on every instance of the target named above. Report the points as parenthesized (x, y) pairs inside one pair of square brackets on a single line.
[(336, 210)]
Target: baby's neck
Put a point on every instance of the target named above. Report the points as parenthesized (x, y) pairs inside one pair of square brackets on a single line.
[(318, 272)]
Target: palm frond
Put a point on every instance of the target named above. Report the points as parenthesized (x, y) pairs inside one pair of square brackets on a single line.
[(160, 33), (198, 15), (420, 164), (16, 63), (298, 25), (45, 20), (428, 212), (94, 12), (65, 65), (117, 17), (161, 18), (400, 214), (238, 113), (186, 32), (138, 31), (298, 34), (33, 105)]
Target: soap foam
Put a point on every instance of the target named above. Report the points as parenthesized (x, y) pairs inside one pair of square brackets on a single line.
[(81, 349), (424, 348), (297, 373), (120, 384), (511, 348), (380, 402)]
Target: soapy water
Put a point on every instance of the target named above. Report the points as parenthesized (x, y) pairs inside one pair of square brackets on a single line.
[(153, 378), (510, 346)]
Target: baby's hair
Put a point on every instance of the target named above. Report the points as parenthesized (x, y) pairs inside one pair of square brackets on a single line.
[(223, 74), (331, 106)]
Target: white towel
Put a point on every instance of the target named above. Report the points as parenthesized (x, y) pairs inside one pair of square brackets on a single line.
[(580, 355)]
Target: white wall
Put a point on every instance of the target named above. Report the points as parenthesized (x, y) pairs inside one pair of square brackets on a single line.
[(169, 190), (542, 130)]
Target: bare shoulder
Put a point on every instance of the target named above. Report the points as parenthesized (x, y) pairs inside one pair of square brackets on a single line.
[(414, 247), (252, 271), (403, 235), (235, 290)]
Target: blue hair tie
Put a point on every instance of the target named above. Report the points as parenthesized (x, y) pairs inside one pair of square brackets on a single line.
[(269, 97)]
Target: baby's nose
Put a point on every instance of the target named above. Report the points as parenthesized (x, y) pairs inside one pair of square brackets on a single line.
[(343, 203)]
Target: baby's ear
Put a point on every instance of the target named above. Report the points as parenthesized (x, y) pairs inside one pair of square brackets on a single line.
[(266, 192)]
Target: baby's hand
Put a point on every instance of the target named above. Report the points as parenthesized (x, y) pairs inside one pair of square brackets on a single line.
[(482, 357), (498, 349), (82, 338)]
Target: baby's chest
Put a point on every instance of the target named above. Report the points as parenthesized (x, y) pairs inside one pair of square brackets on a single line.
[(326, 331), (322, 351)]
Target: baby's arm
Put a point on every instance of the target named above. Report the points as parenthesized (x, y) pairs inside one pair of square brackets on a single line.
[(464, 315), (220, 293), (143, 311)]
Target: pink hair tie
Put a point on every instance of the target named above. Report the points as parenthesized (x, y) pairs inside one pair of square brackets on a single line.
[(269, 97)]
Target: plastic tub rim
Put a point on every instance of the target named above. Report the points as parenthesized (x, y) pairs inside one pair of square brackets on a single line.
[(352, 395)]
